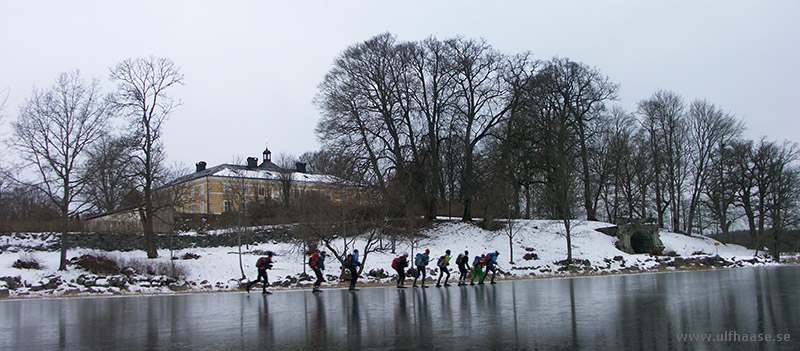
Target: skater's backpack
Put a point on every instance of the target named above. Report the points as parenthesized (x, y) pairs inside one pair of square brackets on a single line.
[(461, 259), (311, 260), (418, 259), (440, 261), (396, 262), (262, 262), (477, 261), (348, 261)]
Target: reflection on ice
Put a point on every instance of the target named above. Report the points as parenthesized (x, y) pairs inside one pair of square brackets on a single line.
[(645, 311)]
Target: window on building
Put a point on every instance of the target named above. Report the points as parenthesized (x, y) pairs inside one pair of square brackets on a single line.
[(227, 205), (246, 190), (192, 191), (201, 187), (193, 208), (262, 191), (227, 188), (202, 207)]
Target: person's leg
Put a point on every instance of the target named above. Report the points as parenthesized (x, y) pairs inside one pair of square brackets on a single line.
[(416, 275), (494, 273), (477, 272), (447, 271), (266, 281), (483, 276), (353, 277), (400, 277), (318, 273), (424, 269), (439, 281)]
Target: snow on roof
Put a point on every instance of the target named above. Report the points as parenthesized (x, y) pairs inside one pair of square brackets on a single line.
[(236, 172)]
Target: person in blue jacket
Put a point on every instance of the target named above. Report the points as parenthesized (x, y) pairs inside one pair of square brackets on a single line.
[(491, 266), (421, 261)]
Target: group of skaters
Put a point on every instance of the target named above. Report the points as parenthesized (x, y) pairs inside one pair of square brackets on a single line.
[(481, 266)]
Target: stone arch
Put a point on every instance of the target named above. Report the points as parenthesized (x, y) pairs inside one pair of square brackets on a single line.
[(641, 242)]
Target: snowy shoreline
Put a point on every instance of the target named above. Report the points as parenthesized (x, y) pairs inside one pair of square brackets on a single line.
[(373, 284), (215, 269)]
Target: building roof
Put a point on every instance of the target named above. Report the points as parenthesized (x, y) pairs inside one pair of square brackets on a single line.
[(266, 171)]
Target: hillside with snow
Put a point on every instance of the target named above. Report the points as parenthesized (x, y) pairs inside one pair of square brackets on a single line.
[(538, 247)]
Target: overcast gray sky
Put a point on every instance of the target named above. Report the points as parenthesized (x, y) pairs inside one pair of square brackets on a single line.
[(252, 67)]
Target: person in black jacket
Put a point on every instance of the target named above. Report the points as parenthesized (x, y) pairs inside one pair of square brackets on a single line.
[(462, 261), (263, 264)]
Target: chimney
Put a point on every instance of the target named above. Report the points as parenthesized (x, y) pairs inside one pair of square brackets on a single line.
[(252, 162), (201, 166), (300, 167)]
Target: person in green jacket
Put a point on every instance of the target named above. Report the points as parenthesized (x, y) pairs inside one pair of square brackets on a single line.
[(477, 269)]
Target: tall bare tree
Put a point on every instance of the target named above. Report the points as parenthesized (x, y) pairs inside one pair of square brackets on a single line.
[(141, 94), (664, 122), (709, 127), (584, 91), (54, 130), (481, 102), (111, 177)]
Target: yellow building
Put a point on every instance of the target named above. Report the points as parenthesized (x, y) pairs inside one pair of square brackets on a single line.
[(226, 187)]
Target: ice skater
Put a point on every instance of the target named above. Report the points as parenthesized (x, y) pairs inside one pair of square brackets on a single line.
[(399, 264), (443, 262), (421, 261), (317, 263), (462, 261), (263, 264), (491, 266), (477, 269), (351, 263)]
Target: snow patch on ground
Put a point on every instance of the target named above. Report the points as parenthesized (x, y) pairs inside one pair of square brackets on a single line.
[(218, 269)]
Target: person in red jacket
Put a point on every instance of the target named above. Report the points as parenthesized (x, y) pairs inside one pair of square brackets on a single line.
[(317, 263), (399, 264)]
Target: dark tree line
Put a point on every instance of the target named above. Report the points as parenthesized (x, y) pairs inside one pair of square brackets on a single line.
[(432, 122)]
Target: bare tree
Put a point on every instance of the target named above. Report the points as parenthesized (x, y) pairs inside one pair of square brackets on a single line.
[(142, 86), (665, 124), (286, 177), (54, 130), (549, 131), (340, 226), (584, 91), (111, 179), (481, 102), (238, 194), (720, 189), (709, 127)]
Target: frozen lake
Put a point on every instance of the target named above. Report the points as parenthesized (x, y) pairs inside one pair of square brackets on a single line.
[(644, 311)]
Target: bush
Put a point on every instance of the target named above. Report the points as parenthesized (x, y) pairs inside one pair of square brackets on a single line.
[(148, 267), (100, 264), (107, 265), (189, 256), (530, 256), (27, 262)]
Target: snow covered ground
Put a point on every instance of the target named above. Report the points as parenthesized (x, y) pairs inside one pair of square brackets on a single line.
[(537, 244)]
